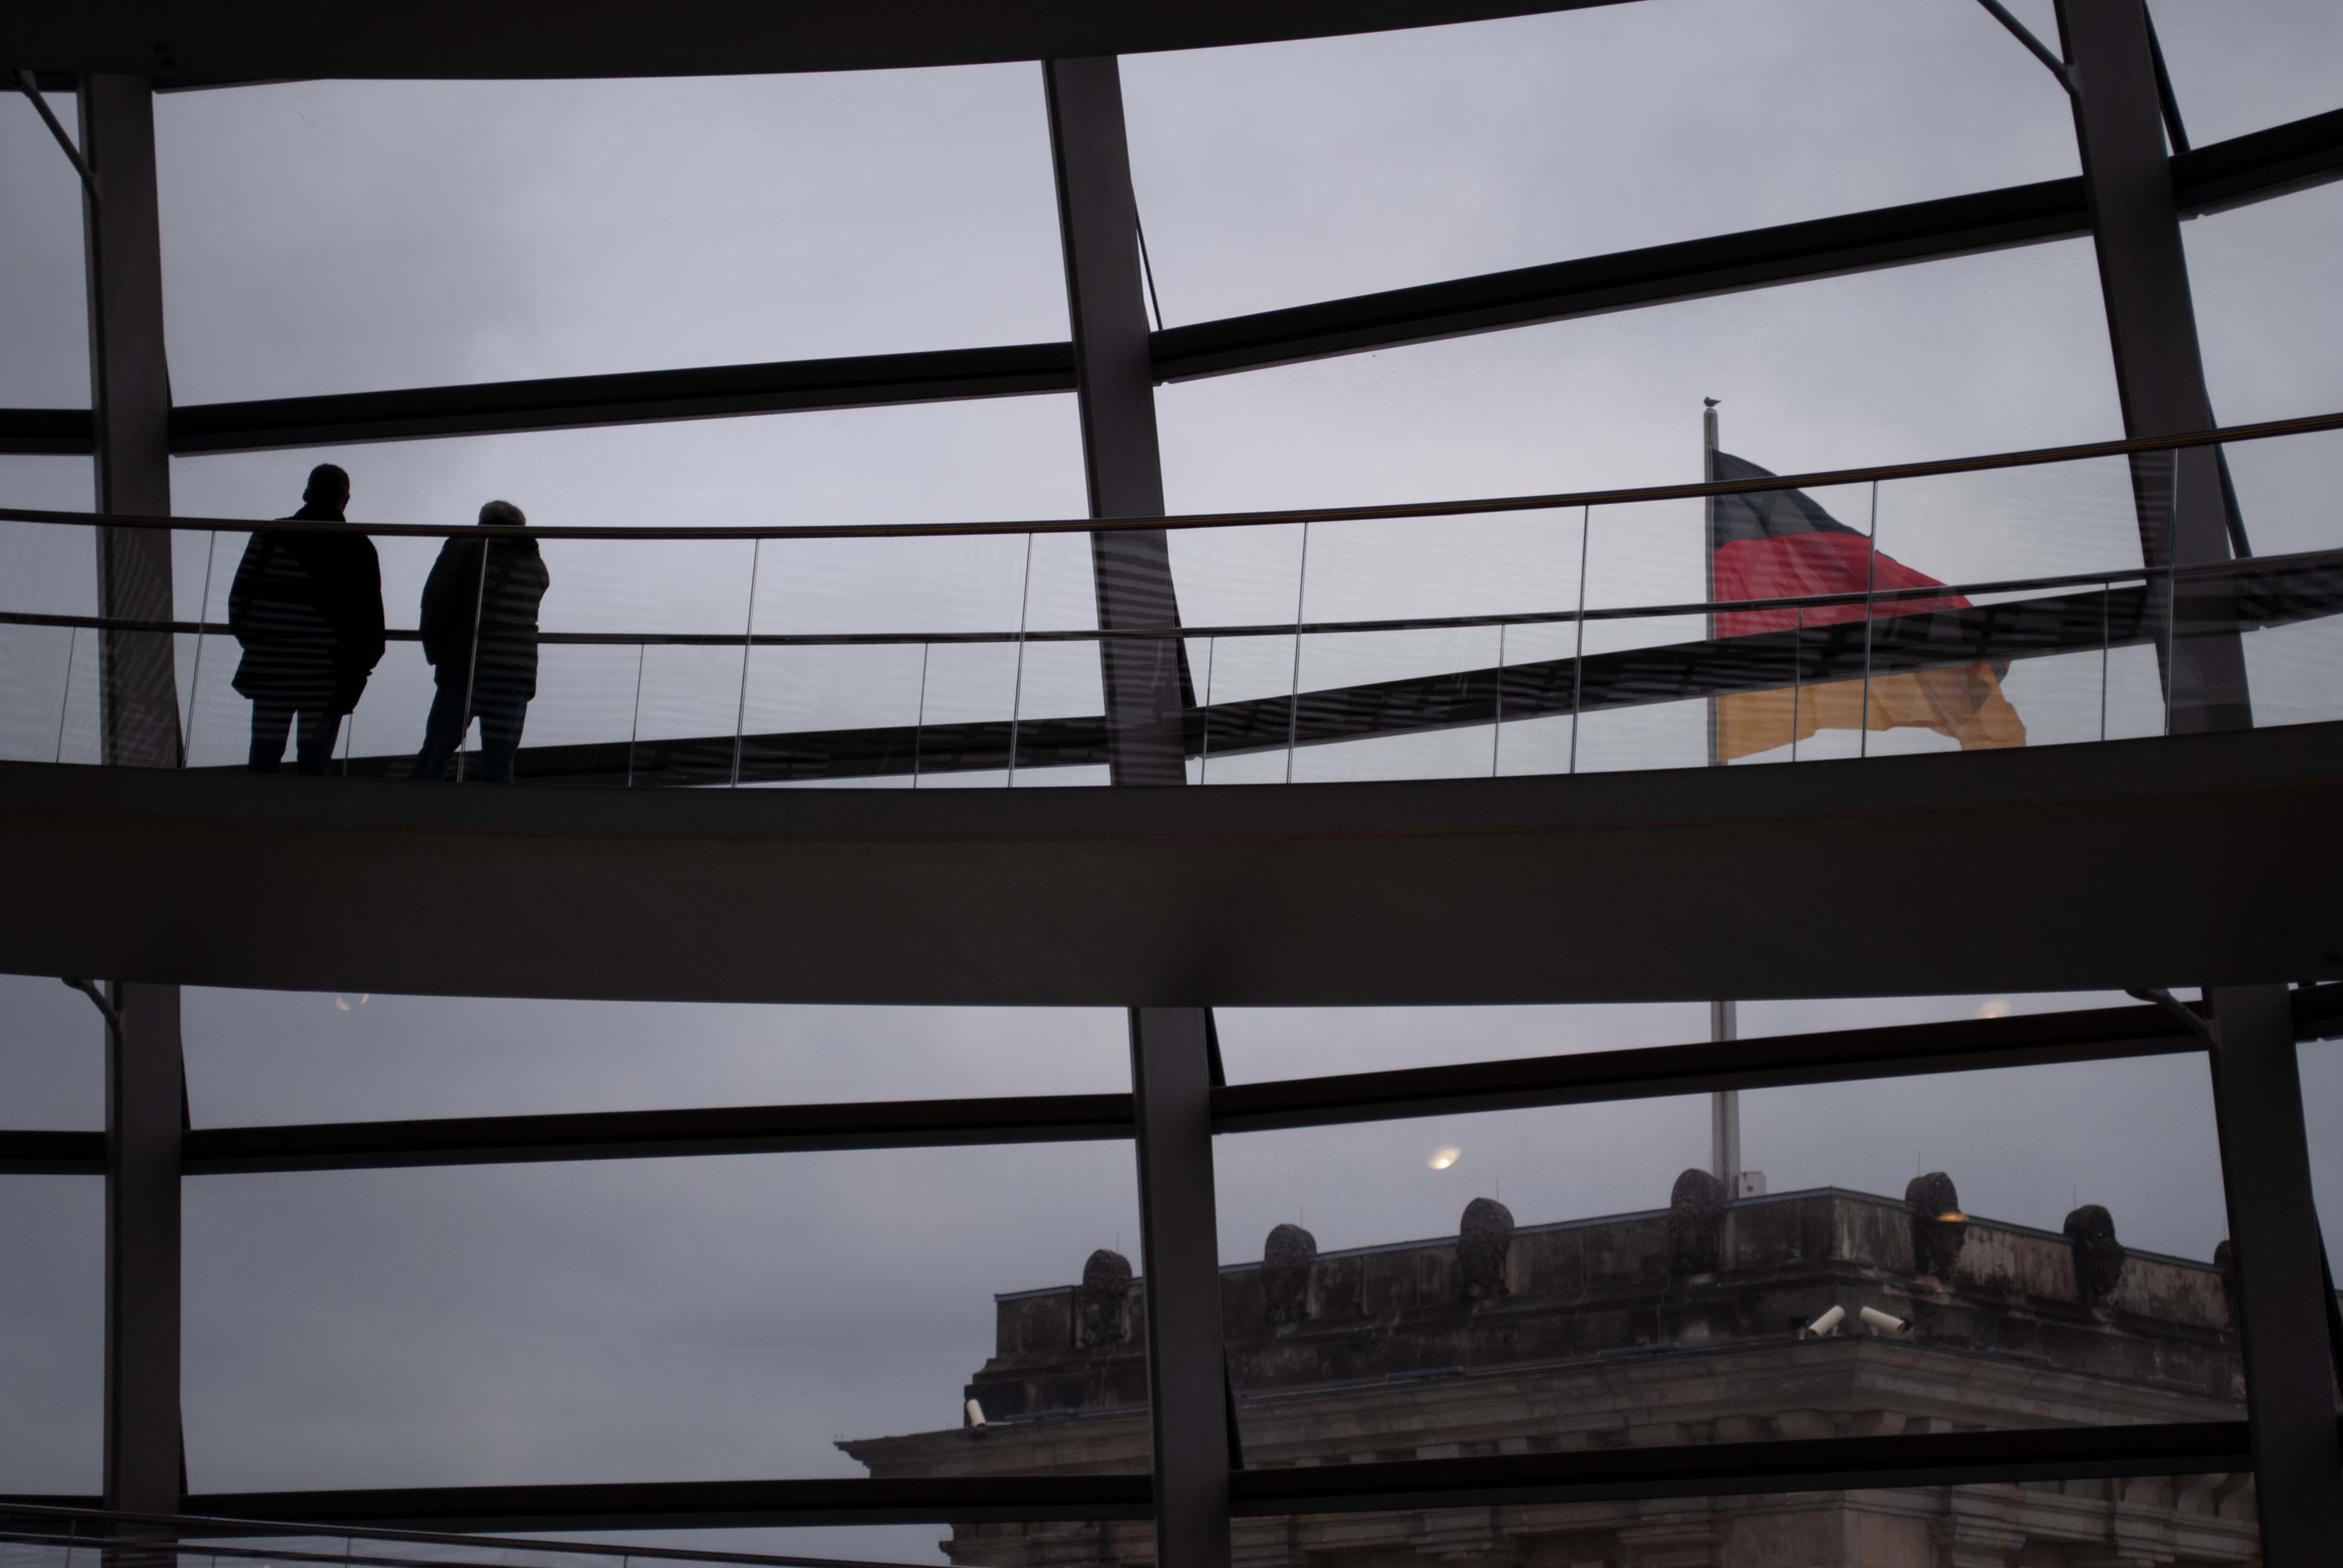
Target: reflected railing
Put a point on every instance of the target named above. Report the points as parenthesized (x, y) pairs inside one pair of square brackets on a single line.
[(1980, 603)]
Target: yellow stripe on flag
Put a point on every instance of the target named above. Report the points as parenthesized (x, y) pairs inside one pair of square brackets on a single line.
[(1963, 702)]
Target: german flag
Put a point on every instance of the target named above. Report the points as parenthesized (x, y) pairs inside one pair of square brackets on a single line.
[(1778, 544)]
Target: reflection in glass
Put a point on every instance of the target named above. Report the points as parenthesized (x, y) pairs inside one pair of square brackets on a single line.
[(44, 310), (339, 237), (2195, 1519), (2037, 1247), (267, 1055), (52, 1316), (2236, 70), (672, 1318), (1276, 175)]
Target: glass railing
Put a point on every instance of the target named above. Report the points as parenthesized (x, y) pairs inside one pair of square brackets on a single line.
[(1983, 604)]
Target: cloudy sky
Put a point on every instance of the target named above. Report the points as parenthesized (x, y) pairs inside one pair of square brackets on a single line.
[(660, 1319)]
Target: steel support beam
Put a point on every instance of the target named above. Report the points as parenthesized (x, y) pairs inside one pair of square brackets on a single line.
[(1147, 696), (2274, 1231), (1106, 305), (276, 40), (130, 395), (629, 397), (146, 1097), (2152, 334), (145, 1107), (1186, 1366)]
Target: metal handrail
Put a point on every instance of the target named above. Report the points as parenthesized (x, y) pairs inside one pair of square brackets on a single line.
[(2195, 571), (2034, 457)]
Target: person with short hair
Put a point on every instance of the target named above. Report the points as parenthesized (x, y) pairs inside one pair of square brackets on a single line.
[(307, 609), (480, 632)]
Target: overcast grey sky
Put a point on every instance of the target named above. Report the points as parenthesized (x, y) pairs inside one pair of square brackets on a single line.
[(657, 1320)]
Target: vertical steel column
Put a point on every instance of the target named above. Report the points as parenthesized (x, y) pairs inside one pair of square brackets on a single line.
[(145, 1107), (1146, 692), (1106, 305), (130, 399), (2257, 1095), (2152, 333), (2274, 1235), (1187, 1375), (146, 1095)]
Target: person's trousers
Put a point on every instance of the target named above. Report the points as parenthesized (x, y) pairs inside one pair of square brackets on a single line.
[(272, 721), (501, 716)]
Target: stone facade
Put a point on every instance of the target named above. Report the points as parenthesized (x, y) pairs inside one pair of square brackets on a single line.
[(1681, 1325)]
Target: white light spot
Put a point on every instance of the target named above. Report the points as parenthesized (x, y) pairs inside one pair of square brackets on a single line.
[(341, 1004), (1996, 1008), (1444, 1156)]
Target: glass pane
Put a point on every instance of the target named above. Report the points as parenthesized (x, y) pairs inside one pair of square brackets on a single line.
[(1233, 579), (1421, 703), (1634, 710), (1274, 175), (255, 1056), (2284, 613), (48, 674), (1982, 354), (330, 236), (852, 713), (44, 311), (2257, 276), (1759, 1019), (754, 1315), (2243, 68), (2321, 1064), (1264, 1043), (2186, 1518), (886, 1543), (1573, 1277), (52, 1055), (51, 1320)]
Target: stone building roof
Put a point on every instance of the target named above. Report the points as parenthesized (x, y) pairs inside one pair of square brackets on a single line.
[(1688, 1324)]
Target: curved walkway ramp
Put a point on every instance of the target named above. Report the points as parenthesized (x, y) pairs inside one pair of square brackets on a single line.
[(2077, 867)]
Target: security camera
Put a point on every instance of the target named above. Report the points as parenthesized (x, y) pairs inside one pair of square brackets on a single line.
[(1884, 1323), (1825, 1325), (975, 1419)]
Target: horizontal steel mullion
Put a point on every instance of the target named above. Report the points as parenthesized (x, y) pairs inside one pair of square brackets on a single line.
[(696, 1504), (1658, 1071), (45, 1153), (1740, 1469), (1690, 270), (626, 399), (2259, 165), (658, 1134), (212, 1528), (2038, 457), (47, 432)]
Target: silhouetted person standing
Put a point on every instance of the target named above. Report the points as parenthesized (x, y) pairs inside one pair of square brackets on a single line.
[(493, 582), (307, 609)]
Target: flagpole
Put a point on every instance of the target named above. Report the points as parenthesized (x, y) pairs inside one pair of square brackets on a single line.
[(1724, 1017)]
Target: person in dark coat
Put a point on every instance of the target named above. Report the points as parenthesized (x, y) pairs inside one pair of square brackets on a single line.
[(493, 582), (307, 609)]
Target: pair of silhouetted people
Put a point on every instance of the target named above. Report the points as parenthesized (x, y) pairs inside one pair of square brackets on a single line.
[(306, 608)]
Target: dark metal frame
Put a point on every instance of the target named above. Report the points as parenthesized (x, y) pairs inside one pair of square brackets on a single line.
[(2129, 198)]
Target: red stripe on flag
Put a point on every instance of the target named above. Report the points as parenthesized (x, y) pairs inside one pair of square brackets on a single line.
[(1793, 564)]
